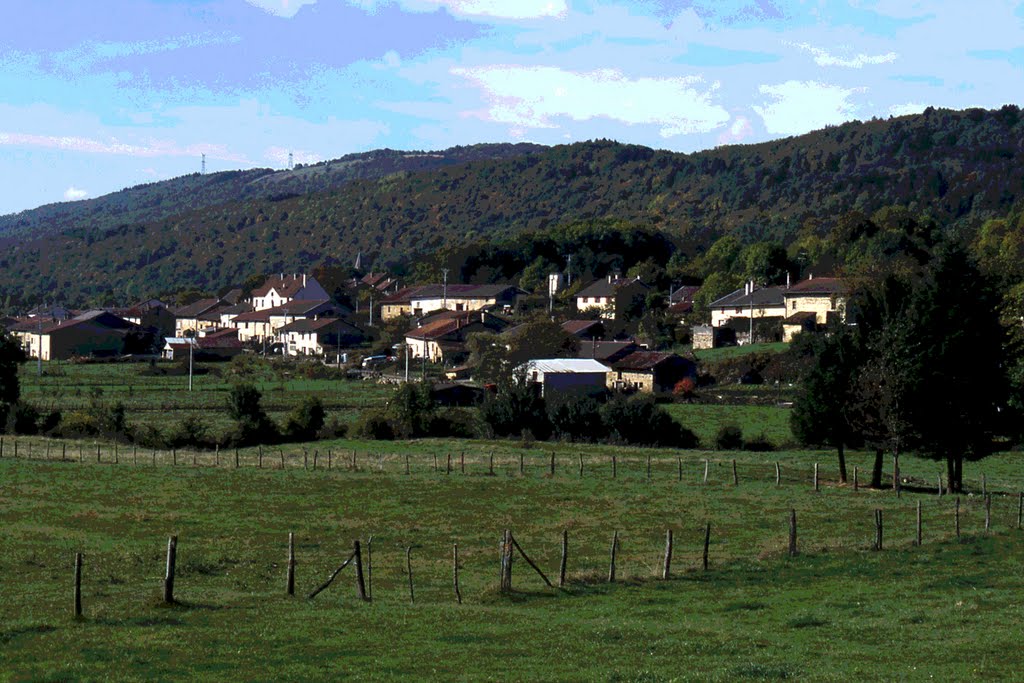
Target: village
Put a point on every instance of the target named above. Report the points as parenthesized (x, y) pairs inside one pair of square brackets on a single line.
[(293, 316)]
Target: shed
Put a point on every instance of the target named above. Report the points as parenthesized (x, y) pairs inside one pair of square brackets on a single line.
[(566, 376)]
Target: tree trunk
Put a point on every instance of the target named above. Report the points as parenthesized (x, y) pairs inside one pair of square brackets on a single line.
[(842, 463), (876, 471)]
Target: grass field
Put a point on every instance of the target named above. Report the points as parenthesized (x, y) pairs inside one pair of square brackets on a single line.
[(949, 609)]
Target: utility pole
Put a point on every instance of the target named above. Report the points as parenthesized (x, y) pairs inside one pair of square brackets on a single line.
[(444, 289), (568, 271), (751, 312), (406, 363), (191, 343), (39, 356)]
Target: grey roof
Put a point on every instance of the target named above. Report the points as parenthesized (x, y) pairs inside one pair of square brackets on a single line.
[(765, 296), (565, 365)]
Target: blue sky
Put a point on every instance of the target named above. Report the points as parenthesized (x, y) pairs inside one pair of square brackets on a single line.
[(95, 97)]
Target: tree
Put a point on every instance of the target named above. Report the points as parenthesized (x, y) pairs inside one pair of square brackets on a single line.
[(252, 424), (821, 411), (961, 389), (10, 390), (306, 420), (515, 409)]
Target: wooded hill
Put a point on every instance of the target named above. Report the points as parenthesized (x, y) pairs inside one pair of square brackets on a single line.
[(958, 168)]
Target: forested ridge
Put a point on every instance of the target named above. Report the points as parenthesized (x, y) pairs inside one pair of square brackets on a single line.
[(955, 169)]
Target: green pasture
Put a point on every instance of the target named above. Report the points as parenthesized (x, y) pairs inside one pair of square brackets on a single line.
[(950, 609)]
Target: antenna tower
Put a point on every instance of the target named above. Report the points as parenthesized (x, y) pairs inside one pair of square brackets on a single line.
[(291, 164), (203, 171)]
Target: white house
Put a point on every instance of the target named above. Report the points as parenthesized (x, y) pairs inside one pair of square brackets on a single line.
[(560, 376), (281, 289)]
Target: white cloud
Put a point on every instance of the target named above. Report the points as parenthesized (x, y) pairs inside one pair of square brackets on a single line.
[(73, 194), (908, 108), (739, 130), (797, 107), (281, 8), (89, 53), (500, 9), (824, 58), (531, 97)]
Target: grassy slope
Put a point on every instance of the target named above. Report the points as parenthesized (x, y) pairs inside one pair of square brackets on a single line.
[(838, 610)]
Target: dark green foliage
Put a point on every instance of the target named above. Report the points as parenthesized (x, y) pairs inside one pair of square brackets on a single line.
[(10, 355), (190, 431), (23, 418), (251, 422), (373, 424), (412, 410), (758, 444), (306, 420), (729, 438), (639, 421), (515, 409), (577, 419)]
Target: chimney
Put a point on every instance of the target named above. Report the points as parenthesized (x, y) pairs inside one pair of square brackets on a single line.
[(609, 278), (787, 280), (810, 276), (303, 279)]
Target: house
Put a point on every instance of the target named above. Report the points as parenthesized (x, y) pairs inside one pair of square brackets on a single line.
[(187, 321), (90, 334), (823, 296), (282, 289), (215, 346), (708, 337), (425, 299), (151, 313), (397, 304), (801, 321), (613, 298), (680, 301), (750, 302), (650, 372), (226, 314), (262, 324), (565, 376), (382, 282), (606, 351), (584, 329), (443, 339), (51, 313), (318, 336)]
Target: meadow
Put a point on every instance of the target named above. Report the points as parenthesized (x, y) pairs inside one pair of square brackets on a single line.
[(949, 608)]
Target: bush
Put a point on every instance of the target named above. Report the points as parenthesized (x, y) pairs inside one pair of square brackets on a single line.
[(190, 431), (412, 410), (373, 424), (252, 425), (638, 421), (306, 420), (456, 423), (516, 407), (759, 443), (23, 418), (729, 438), (78, 424), (577, 419), (335, 429)]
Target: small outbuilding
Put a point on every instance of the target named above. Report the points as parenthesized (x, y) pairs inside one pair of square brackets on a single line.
[(566, 376)]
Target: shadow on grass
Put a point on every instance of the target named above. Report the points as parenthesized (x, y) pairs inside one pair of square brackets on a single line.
[(11, 634)]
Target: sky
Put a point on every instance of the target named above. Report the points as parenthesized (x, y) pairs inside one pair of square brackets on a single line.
[(98, 96)]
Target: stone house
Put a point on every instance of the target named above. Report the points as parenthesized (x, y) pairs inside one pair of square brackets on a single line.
[(650, 372)]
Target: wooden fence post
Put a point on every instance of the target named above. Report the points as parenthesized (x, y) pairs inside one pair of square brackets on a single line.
[(408, 569), (667, 567), (455, 572), (78, 585), (984, 484), (135, 455), (565, 558), (988, 511), (305, 459), (330, 459), (193, 456), (648, 466), (506, 562), (490, 464), (707, 544), (1, 447), (448, 467), (919, 523), (216, 454), (815, 477), (735, 476), (355, 464), (707, 466), (940, 484), (856, 482), (291, 564), (581, 465), (522, 465), (316, 456), (792, 533), (611, 566), (679, 469), (172, 554), (63, 452), (878, 529), (47, 454), (174, 456), (236, 458), (80, 455), (98, 456), (896, 473), (615, 466), (1020, 508), (435, 462), (533, 565), (360, 582), (462, 462), (407, 463), (281, 452), (261, 457), (552, 463), (778, 474)]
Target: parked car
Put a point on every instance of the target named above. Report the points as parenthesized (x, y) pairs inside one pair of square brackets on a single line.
[(371, 362)]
